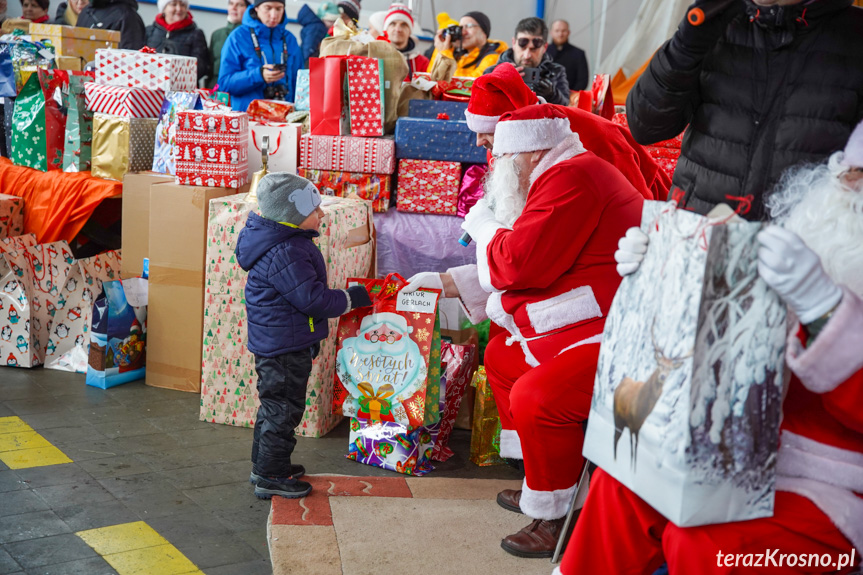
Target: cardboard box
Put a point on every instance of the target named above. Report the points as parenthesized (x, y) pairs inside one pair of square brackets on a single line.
[(136, 220), (70, 63), (73, 41), (175, 317)]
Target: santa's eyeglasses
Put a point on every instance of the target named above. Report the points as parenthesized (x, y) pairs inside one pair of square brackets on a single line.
[(387, 338), (501, 156), (537, 43)]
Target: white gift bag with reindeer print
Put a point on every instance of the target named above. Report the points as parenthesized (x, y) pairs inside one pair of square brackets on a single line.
[(688, 393)]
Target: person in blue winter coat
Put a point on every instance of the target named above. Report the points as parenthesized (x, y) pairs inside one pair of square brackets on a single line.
[(313, 32), (260, 59), (287, 307)]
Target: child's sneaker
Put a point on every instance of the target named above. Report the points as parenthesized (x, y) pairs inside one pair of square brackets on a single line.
[(288, 487), (297, 471)]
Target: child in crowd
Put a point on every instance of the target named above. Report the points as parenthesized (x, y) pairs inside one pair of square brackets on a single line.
[(287, 305)]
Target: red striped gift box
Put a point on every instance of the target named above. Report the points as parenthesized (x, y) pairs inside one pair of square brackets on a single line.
[(125, 102)]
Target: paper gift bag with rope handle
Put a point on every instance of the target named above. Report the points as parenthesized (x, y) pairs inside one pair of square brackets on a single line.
[(388, 356), (284, 149), (688, 392)]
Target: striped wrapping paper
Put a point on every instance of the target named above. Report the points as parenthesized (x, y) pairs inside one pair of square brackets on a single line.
[(125, 102), (348, 154)]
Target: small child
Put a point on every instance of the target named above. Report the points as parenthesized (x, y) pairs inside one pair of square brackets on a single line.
[(287, 304)]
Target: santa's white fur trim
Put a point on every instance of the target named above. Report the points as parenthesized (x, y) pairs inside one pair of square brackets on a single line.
[(496, 313), (566, 150), (514, 136), (472, 297), (800, 456), (483, 271), (510, 444), (563, 310), (481, 124), (546, 505), (835, 354)]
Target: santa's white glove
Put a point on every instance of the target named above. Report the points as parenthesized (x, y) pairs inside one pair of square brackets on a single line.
[(795, 272), (630, 251), (423, 280), (480, 223)]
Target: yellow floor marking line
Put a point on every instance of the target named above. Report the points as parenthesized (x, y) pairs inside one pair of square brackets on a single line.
[(21, 447), (137, 549)]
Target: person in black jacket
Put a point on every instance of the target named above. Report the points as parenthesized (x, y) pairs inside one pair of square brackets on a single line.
[(568, 56), (287, 306), (121, 15), (174, 32), (763, 85), (529, 52), (67, 12)]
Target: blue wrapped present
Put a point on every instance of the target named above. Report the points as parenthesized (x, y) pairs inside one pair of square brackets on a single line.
[(431, 109), (443, 140), (301, 93)]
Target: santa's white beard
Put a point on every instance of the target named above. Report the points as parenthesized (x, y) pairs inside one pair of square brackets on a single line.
[(827, 215), (503, 191)]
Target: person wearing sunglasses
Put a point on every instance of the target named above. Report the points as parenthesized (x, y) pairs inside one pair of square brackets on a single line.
[(528, 54), (467, 43)]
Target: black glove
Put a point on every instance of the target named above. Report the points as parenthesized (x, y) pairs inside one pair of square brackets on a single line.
[(698, 40), (359, 297), (545, 88)]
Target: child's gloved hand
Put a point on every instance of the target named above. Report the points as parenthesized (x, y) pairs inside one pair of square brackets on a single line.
[(359, 296)]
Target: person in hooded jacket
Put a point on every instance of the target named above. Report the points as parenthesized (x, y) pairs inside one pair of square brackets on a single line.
[(762, 85), (261, 58), (174, 32), (119, 15), (288, 304), (67, 12), (312, 34)]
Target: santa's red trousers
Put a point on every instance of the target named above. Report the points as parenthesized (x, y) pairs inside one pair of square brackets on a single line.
[(546, 406), (618, 533)]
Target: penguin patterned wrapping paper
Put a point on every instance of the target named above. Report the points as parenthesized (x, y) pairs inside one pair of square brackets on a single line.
[(19, 346)]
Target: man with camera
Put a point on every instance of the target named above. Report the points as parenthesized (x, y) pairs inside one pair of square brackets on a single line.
[(528, 55), (467, 43)]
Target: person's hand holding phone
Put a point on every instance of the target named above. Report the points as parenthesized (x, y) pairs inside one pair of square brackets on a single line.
[(273, 72)]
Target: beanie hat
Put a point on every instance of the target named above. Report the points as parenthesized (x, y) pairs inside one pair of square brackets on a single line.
[(259, 2), (482, 20), (351, 8), (285, 197), (162, 4), (494, 94), (399, 13), (854, 148), (529, 129), (328, 11)]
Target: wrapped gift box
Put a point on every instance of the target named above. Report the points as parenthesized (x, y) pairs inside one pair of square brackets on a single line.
[(125, 102), (442, 140), (269, 110), (460, 83), (665, 157), (11, 216), (348, 154), (428, 187), (431, 109), (122, 145), (73, 41), (132, 69), (365, 79), (212, 148), (676, 142), (301, 94), (229, 383), (392, 446), (485, 436), (373, 187)]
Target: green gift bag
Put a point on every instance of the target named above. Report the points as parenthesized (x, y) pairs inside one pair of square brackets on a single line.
[(39, 121), (79, 125)]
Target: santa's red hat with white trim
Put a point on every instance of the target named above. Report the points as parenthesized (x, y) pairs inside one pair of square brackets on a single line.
[(530, 129), (495, 94)]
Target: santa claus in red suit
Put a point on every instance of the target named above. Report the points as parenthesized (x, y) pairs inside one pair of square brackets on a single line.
[(504, 90), (545, 236), (813, 257)]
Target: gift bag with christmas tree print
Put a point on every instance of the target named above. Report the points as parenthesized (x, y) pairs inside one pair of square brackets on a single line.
[(39, 121), (388, 358)]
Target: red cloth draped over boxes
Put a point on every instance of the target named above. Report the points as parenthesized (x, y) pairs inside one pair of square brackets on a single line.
[(228, 387), (428, 187), (375, 188), (212, 148), (131, 69)]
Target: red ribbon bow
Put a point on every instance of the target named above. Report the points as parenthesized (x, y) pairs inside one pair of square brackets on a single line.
[(147, 50), (443, 116)]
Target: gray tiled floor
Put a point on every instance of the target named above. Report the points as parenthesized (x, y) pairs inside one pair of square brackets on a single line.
[(140, 453)]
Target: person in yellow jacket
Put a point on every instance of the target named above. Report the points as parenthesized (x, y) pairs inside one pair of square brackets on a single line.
[(474, 52)]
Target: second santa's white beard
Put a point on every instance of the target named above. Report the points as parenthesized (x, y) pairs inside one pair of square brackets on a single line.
[(827, 215), (503, 191)]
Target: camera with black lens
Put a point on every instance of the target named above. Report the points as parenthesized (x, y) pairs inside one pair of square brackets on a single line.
[(454, 32), (275, 92)]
